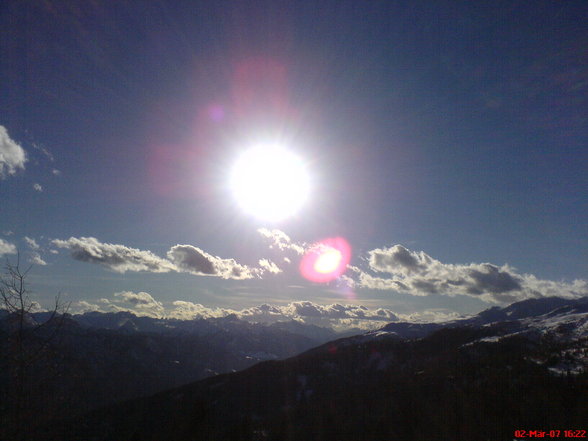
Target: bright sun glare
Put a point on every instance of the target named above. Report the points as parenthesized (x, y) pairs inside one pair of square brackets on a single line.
[(270, 182)]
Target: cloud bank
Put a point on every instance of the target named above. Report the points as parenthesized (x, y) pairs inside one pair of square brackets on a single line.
[(12, 155), (337, 316), (180, 258), (417, 273), (396, 269)]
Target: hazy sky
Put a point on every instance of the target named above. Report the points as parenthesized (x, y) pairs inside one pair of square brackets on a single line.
[(446, 142)]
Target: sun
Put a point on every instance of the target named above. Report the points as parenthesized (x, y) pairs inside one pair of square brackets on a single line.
[(270, 182)]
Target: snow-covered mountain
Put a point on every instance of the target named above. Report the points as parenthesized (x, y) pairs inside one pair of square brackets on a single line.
[(564, 318), (505, 369)]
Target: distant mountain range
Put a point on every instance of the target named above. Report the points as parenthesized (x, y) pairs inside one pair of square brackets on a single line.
[(523, 367), (96, 359)]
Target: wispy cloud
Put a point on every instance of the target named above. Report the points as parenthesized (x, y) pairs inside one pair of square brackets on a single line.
[(44, 151), (12, 156), (35, 258), (38, 187), (34, 254), (269, 266), (281, 241), (31, 243)]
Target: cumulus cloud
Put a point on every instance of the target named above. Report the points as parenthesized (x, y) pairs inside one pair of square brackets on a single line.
[(12, 155), (118, 258), (6, 247), (193, 260), (398, 259), (180, 258), (280, 240), (337, 316), (338, 311), (38, 187), (419, 274)]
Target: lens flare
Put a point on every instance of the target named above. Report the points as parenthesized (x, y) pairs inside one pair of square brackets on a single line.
[(326, 260)]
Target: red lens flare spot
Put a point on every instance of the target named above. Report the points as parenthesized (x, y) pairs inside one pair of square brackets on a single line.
[(326, 260)]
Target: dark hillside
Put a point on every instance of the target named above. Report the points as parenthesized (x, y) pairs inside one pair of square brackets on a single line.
[(452, 385)]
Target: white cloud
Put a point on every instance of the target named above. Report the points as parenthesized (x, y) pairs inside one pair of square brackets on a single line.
[(337, 316), (419, 274), (82, 306), (193, 260), (118, 258), (141, 303), (36, 259), (280, 240), (438, 315), (35, 256), (32, 243), (184, 310), (6, 248), (56, 172), (12, 156), (38, 187), (269, 266)]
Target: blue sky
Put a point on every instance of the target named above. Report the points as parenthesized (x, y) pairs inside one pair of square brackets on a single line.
[(445, 141)]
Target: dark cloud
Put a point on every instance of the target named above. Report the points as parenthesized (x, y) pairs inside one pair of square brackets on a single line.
[(191, 259), (397, 258), (419, 274), (181, 258), (491, 279)]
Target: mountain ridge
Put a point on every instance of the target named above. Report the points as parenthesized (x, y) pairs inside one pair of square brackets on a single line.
[(483, 376)]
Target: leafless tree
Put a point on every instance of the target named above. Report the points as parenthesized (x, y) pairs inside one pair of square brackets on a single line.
[(25, 343)]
